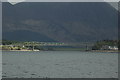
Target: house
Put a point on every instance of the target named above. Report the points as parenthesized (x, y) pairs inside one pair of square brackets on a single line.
[(106, 47), (113, 47)]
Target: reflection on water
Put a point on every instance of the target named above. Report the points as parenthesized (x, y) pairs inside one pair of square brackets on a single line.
[(59, 64)]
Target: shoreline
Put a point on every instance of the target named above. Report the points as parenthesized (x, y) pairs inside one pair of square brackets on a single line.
[(69, 50), (104, 51), (19, 50)]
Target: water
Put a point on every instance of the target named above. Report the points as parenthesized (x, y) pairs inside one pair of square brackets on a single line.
[(59, 64)]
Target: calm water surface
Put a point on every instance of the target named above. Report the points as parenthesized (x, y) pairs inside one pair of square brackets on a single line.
[(59, 64)]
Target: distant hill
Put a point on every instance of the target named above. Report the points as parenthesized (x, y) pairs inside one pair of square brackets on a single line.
[(62, 22), (25, 35)]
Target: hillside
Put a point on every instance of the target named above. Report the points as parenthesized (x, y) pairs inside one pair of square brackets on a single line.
[(62, 22)]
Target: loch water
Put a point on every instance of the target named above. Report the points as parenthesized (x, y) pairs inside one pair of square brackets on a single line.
[(59, 64)]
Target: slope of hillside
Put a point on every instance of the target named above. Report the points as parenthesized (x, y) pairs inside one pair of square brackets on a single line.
[(64, 22)]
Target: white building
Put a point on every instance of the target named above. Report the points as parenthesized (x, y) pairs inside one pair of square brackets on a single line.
[(106, 47)]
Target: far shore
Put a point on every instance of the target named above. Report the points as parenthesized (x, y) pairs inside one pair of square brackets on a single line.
[(69, 50), (104, 51), (19, 50)]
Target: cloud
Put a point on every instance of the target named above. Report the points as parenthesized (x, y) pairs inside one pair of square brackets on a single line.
[(13, 2), (111, 0), (17, 1)]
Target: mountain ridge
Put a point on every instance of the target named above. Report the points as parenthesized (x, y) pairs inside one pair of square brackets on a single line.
[(62, 22)]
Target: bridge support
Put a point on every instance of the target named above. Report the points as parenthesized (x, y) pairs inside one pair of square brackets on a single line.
[(33, 48)]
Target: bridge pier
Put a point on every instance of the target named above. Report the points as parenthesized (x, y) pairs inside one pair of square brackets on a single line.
[(33, 47)]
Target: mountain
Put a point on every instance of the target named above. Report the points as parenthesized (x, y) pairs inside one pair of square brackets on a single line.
[(60, 21), (26, 36)]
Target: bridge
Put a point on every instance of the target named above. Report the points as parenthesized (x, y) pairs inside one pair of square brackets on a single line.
[(52, 44), (33, 44)]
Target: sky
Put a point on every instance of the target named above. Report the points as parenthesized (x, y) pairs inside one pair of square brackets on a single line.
[(66, 0)]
